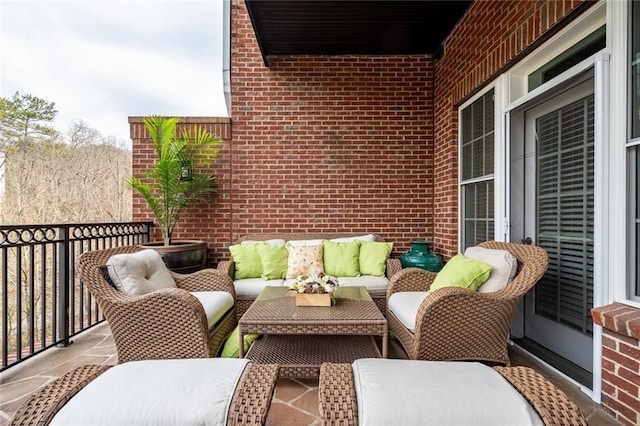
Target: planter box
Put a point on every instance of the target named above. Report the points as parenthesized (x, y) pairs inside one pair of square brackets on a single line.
[(311, 299)]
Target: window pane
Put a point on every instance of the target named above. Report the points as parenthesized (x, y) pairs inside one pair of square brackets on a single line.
[(477, 158)]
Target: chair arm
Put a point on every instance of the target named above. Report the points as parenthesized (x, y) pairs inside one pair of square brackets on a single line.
[(393, 266), (227, 267), (456, 323), (252, 398), (336, 390), (205, 280), (410, 279), (45, 403), (167, 323)]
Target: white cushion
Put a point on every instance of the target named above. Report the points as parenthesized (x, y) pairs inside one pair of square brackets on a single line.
[(270, 242), (505, 266), (250, 288), (305, 243), (215, 304), (404, 306), (139, 273), (160, 392), (404, 392), (368, 237), (376, 286)]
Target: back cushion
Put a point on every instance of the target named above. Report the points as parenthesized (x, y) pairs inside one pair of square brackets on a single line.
[(247, 261), (505, 266), (139, 273)]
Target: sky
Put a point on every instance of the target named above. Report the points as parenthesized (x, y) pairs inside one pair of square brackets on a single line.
[(102, 61)]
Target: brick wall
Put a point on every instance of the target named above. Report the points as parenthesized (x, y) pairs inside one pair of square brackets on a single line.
[(491, 35), (331, 143), (620, 361), (207, 221)]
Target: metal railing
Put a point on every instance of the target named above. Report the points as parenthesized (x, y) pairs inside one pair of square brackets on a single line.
[(44, 303)]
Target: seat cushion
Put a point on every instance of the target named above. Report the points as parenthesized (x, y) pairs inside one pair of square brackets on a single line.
[(139, 273), (376, 286), (505, 266), (405, 392), (215, 304), (368, 237), (462, 271), (404, 305), (250, 288), (167, 392)]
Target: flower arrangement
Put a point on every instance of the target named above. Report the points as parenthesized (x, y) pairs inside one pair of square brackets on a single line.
[(315, 284)]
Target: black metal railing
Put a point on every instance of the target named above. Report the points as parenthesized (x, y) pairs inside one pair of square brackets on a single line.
[(44, 303)]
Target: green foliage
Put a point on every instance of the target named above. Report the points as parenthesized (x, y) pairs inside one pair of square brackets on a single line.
[(24, 119), (172, 183)]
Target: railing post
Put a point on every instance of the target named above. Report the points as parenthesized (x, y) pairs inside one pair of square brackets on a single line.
[(63, 300)]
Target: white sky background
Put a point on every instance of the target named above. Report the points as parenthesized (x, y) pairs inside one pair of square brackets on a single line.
[(102, 61)]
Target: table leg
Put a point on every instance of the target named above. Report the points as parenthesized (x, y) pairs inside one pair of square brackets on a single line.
[(385, 344), (241, 343)]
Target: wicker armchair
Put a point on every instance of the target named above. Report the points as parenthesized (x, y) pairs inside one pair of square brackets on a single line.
[(167, 323), (458, 324)]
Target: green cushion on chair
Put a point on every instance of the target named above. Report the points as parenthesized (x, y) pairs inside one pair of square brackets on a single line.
[(462, 271), (232, 346)]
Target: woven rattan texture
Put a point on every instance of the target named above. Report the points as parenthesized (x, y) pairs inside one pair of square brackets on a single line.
[(337, 395), (165, 324), (227, 266), (275, 312), (551, 403), (302, 356), (43, 405), (338, 402), (249, 405), (458, 324), (251, 401)]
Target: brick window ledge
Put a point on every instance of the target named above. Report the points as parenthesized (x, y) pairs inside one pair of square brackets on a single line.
[(619, 318)]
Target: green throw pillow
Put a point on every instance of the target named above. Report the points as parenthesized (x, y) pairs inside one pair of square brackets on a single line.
[(341, 259), (274, 261), (247, 261), (462, 271), (373, 258), (232, 346)]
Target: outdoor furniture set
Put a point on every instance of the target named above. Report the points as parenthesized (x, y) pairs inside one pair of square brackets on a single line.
[(335, 343)]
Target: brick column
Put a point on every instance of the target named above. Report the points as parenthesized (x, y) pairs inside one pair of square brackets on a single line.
[(620, 360)]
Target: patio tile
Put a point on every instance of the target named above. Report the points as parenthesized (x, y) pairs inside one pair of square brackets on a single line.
[(284, 415), (308, 402), (289, 389)]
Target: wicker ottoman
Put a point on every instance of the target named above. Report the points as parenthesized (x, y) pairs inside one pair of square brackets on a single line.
[(380, 391), (185, 391)]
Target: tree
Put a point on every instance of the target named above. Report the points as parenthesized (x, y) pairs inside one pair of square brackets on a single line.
[(24, 118)]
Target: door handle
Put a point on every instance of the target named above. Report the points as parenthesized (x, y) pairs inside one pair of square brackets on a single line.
[(527, 241)]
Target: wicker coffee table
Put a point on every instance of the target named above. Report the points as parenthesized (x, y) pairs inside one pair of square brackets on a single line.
[(301, 338)]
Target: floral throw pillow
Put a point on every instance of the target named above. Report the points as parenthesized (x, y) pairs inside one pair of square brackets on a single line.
[(306, 260)]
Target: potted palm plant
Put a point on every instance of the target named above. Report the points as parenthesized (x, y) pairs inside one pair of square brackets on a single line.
[(173, 182)]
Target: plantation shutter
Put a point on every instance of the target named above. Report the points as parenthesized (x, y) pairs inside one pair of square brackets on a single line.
[(565, 187)]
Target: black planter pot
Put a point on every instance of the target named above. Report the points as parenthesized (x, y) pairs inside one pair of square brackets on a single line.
[(183, 257)]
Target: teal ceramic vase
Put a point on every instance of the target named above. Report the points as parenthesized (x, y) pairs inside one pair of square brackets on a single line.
[(421, 256)]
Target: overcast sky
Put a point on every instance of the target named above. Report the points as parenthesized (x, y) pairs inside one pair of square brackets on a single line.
[(102, 61)]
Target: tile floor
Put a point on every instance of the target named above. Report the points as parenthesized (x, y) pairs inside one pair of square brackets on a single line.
[(295, 401)]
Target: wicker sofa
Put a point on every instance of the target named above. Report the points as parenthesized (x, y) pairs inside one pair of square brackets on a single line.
[(246, 294)]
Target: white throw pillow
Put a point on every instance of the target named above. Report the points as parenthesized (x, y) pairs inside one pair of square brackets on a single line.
[(369, 237), (139, 273), (304, 243), (505, 266)]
